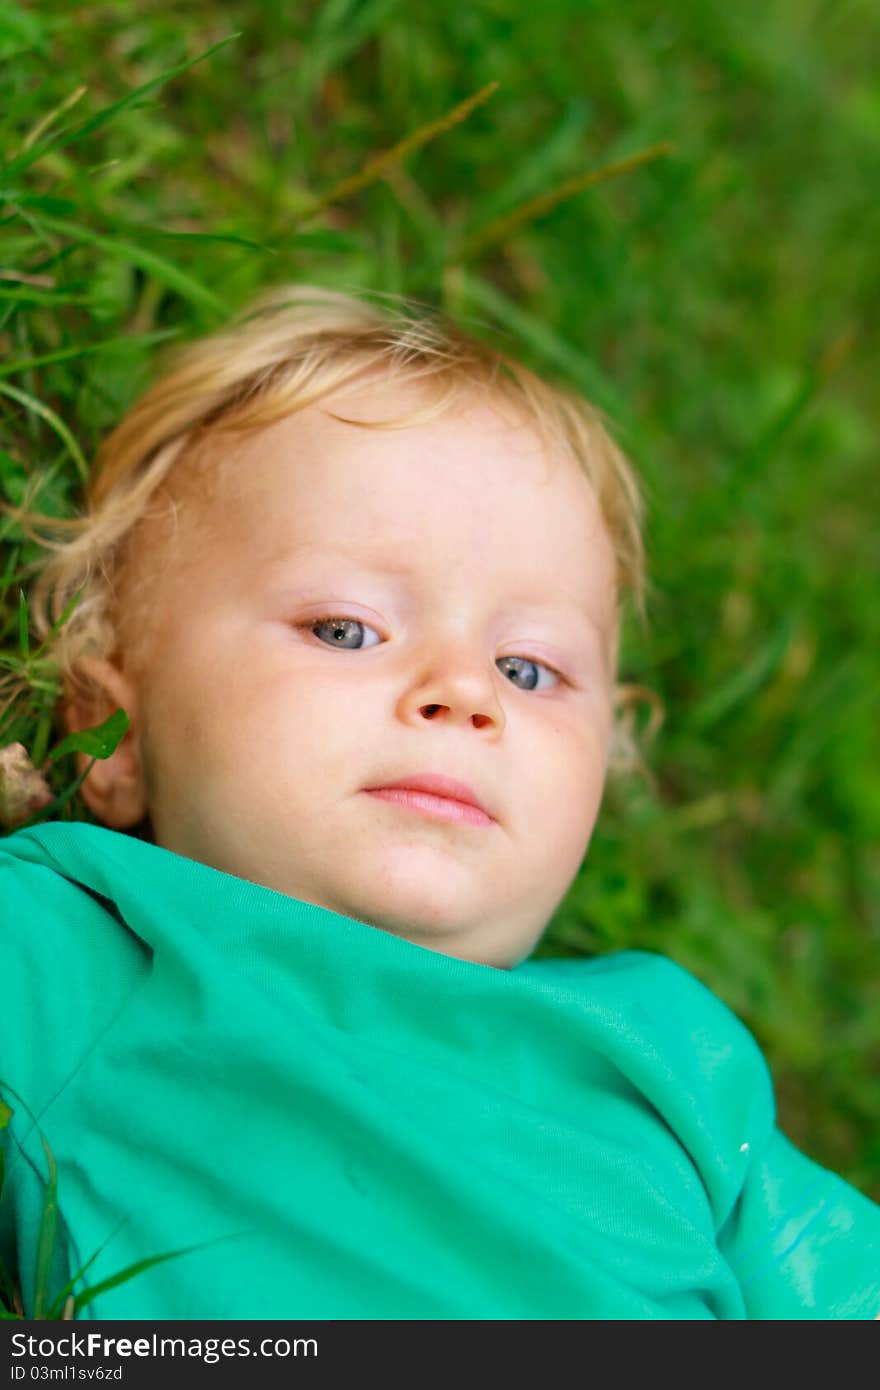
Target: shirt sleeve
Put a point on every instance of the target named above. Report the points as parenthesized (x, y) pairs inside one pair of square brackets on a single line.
[(802, 1242)]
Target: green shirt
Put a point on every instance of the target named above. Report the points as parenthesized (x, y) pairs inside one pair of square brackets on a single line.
[(364, 1128)]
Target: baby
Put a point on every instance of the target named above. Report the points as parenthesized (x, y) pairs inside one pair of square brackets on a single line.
[(357, 580)]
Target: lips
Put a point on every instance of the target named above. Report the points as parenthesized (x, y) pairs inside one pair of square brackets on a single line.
[(437, 785)]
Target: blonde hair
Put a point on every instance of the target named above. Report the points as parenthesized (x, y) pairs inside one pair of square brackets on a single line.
[(289, 348)]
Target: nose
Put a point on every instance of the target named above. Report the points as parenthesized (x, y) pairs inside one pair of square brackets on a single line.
[(457, 688)]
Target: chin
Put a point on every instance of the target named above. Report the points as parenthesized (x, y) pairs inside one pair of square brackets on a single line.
[(417, 916), (413, 911), (417, 885), (414, 920)]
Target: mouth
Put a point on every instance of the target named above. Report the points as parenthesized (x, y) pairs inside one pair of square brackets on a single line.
[(435, 796)]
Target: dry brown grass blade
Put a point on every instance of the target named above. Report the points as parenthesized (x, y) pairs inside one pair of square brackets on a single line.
[(503, 227), (376, 167)]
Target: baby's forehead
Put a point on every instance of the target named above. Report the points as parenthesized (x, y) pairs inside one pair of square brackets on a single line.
[(326, 474)]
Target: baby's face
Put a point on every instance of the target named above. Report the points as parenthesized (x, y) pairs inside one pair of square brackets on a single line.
[(355, 607)]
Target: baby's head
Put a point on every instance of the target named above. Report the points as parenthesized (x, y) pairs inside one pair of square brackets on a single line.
[(334, 548)]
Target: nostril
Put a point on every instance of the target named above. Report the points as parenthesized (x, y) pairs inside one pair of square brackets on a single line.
[(430, 710)]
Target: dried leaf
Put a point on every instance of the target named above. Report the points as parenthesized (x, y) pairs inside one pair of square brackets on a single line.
[(23, 790)]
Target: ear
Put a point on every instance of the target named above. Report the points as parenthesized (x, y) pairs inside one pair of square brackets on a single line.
[(114, 788)]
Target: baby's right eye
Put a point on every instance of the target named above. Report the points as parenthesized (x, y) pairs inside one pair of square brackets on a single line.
[(339, 630)]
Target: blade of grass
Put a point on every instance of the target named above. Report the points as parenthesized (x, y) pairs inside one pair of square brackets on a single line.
[(548, 158), (41, 738), (46, 1245), (60, 621), (65, 354), (323, 239), (56, 258), (46, 1237), (745, 682), (164, 270), (11, 562), (24, 641), (43, 202), (339, 28), (10, 570), (232, 238), (61, 1297), (503, 227), (93, 123), (129, 1272), (7, 1282), (7, 1288), (374, 168), (57, 424), (35, 485), (88, 1295), (831, 359), (51, 117), (50, 298), (546, 343)]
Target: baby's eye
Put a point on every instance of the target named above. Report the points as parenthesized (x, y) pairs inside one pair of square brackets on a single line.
[(338, 630), (518, 662)]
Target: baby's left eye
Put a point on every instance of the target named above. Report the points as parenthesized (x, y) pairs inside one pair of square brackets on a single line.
[(517, 662)]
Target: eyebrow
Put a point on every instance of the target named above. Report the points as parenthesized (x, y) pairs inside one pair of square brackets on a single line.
[(275, 569)]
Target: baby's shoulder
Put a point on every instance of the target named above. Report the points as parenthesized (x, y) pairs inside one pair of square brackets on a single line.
[(68, 964), (49, 907)]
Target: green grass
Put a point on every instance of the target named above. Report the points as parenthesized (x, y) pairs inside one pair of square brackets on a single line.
[(719, 300), (65, 1305)]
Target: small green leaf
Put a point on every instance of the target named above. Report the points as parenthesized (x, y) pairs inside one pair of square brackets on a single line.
[(99, 742)]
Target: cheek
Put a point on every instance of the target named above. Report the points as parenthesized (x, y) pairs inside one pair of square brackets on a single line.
[(191, 720), (568, 764), (271, 721), (570, 744)]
